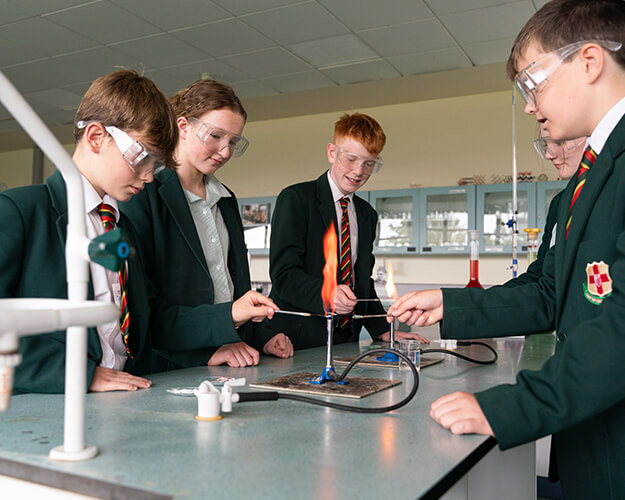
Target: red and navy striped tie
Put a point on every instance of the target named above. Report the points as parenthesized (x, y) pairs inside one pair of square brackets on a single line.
[(107, 214), (346, 255), (587, 161)]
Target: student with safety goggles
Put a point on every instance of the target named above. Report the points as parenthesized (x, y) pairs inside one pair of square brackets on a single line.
[(202, 302)]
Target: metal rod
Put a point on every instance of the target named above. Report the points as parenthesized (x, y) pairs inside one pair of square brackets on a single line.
[(365, 316), (330, 328), (392, 334), (370, 300), (298, 313)]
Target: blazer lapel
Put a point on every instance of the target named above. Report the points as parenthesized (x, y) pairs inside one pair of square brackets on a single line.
[(364, 235), (173, 196), (326, 204)]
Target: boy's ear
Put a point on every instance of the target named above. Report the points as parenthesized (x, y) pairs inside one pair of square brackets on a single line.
[(593, 59), (183, 127), (94, 136), (331, 152)]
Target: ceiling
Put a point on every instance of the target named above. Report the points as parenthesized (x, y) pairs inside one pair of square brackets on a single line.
[(53, 49)]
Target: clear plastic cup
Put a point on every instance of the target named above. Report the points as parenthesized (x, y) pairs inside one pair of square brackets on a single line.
[(412, 349)]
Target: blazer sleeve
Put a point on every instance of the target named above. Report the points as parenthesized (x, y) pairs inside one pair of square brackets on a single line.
[(584, 378)]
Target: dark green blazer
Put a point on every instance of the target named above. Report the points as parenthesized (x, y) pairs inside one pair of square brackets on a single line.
[(535, 269), (302, 215), (578, 395), (187, 327), (33, 226)]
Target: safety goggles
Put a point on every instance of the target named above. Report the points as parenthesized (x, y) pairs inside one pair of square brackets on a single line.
[(215, 137), (531, 80), (140, 160), (545, 145), (353, 161)]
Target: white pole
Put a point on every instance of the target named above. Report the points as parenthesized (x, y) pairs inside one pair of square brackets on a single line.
[(515, 262), (77, 271)]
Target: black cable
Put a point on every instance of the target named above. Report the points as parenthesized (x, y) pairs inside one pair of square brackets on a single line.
[(264, 396), (467, 358), (274, 395)]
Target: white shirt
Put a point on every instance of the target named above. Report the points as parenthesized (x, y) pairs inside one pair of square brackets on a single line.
[(605, 127), (106, 287), (353, 220), (213, 234)]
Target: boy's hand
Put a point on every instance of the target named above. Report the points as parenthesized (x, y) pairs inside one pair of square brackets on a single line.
[(279, 345), (252, 306), (237, 355), (386, 337), (418, 308), (345, 300), (107, 379), (461, 414)]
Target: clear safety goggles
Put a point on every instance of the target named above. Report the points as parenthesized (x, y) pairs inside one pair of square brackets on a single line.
[(140, 160), (531, 80), (215, 137), (545, 145), (354, 161)]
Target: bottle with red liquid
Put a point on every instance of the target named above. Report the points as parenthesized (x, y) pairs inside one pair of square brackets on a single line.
[(474, 262)]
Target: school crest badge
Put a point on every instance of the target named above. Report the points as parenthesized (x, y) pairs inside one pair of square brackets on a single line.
[(598, 283)]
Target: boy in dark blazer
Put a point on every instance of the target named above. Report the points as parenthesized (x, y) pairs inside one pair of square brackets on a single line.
[(303, 214), (191, 237), (124, 127), (569, 64)]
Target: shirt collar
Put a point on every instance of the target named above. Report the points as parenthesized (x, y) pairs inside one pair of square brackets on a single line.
[(336, 192), (93, 200), (215, 191), (605, 127)]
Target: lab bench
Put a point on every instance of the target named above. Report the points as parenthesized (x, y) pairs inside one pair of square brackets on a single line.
[(152, 447)]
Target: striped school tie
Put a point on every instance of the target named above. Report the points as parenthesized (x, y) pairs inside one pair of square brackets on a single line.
[(346, 255), (107, 214), (588, 159)]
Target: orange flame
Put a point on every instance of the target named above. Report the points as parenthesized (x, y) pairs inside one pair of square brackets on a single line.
[(330, 251), (391, 290)]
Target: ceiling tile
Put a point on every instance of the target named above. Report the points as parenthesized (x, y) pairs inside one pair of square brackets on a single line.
[(217, 38), (267, 63), (443, 7), (80, 67), (429, 62), (66, 117), (217, 69), (240, 7), (334, 50), (44, 37), (365, 14), (407, 38), (296, 23), (539, 4), (40, 75), (491, 23), (489, 52), (11, 10), (14, 53), (103, 22), (249, 90), (59, 98), (160, 50), (362, 72), (297, 82), (169, 15), (168, 84)]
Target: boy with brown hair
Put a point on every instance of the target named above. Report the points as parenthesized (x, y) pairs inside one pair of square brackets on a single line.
[(569, 64), (303, 214), (124, 128)]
